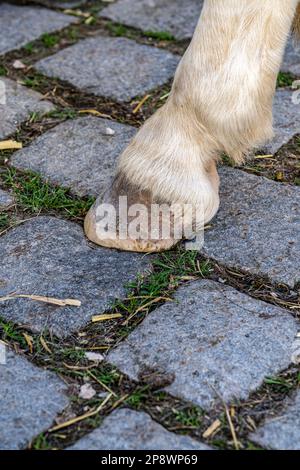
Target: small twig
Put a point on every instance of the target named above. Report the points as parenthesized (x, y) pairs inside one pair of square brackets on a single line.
[(231, 426), (68, 366), (82, 417), (232, 430), (104, 317), (142, 307), (140, 104), (41, 298), (101, 383), (120, 401), (10, 145)]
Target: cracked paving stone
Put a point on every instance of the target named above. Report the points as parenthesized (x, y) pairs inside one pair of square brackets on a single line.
[(134, 430), (51, 257), (33, 398), (20, 25), (257, 227), (177, 17), (291, 61), (115, 68), (281, 432), (78, 154), (16, 104), (286, 120), (210, 342), (6, 199)]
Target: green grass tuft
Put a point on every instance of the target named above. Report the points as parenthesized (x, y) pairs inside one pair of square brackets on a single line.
[(3, 71), (4, 221), (138, 397), (285, 79), (170, 269), (73, 354), (35, 195), (49, 40), (119, 29), (192, 417), (161, 35), (10, 332), (66, 113), (297, 181), (108, 376), (29, 47)]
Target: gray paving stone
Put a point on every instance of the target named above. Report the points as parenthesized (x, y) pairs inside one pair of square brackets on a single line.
[(77, 154), (116, 68), (291, 61), (16, 104), (257, 228), (31, 398), (212, 341), (131, 430), (51, 257), (6, 199), (286, 120), (178, 17), (282, 432), (20, 25)]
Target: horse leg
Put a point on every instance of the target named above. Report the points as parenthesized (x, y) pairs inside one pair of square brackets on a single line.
[(221, 102)]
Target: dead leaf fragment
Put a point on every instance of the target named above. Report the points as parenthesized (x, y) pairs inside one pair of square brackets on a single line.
[(29, 341), (279, 176), (212, 429), (45, 345)]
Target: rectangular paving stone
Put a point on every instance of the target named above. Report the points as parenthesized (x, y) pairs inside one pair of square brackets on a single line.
[(115, 68), (51, 257), (21, 24), (282, 432), (16, 104), (31, 398), (177, 17), (131, 430), (286, 114), (79, 154), (291, 61), (257, 228), (6, 199), (211, 341)]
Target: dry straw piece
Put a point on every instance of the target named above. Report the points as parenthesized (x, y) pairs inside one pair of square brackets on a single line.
[(41, 298), (10, 145)]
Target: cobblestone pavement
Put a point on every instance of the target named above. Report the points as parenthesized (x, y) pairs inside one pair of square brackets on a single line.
[(183, 350)]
